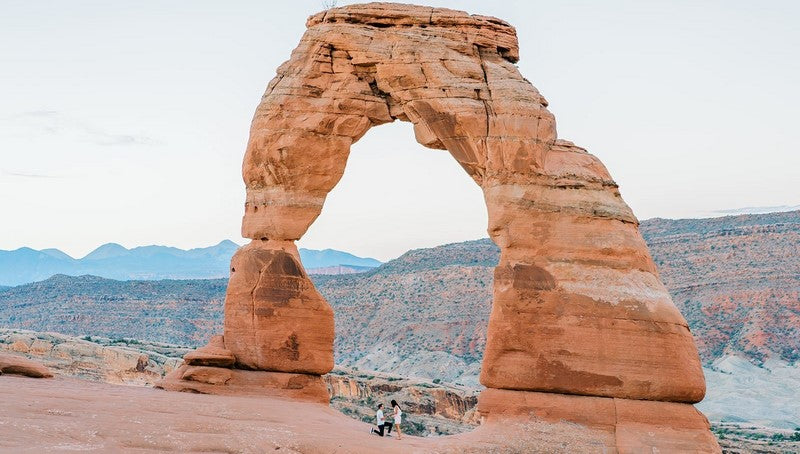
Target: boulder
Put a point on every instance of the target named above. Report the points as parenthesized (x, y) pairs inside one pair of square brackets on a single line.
[(13, 364), (274, 317)]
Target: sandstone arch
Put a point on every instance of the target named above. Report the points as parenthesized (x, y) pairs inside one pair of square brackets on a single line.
[(578, 307)]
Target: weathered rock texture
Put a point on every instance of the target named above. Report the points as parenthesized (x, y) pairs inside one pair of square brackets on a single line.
[(18, 365), (630, 426), (578, 305), (274, 317), (129, 362), (237, 382), (68, 415)]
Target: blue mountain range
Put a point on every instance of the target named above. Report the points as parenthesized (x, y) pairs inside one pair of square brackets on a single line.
[(114, 261)]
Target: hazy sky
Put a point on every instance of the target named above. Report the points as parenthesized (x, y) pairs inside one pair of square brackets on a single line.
[(127, 121)]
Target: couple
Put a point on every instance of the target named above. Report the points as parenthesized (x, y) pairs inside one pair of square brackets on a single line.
[(382, 424)]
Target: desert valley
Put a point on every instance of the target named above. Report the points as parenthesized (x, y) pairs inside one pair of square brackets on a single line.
[(413, 328)]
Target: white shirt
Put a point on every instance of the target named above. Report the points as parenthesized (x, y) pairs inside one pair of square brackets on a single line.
[(380, 417)]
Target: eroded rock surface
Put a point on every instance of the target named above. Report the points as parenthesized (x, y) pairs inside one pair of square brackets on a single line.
[(274, 317), (63, 414), (214, 354), (578, 305), (18, 365), (120, 361), (575, 287)]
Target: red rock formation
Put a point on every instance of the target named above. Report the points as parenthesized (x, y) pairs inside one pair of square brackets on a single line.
[(238, 382), (629, 426), (270, 305), (13, 364), (214, 354), (578, 305)]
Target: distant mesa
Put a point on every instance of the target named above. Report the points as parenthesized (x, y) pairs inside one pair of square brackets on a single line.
[(114, 261)]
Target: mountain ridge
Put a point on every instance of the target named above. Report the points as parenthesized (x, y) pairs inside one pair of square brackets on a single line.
[(112, 260), (736, 279)]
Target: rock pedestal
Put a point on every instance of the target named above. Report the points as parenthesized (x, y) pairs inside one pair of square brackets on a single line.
[(578, 306), (595, 424), (212, 370), (274, 317)]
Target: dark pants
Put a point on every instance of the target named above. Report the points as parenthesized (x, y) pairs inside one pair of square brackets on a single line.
[(385, 426)]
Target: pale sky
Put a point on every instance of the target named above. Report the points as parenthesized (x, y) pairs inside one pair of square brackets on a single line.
[(127, 121)]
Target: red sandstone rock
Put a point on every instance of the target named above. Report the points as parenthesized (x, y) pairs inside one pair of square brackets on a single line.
[(627, 426), (61, 414), (578, 305), (274, 317), (208, 375), (13, 364), (235, 382)]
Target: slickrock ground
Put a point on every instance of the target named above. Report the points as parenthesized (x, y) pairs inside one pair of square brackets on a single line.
[(431, 409), (68, 415), (16, 365)]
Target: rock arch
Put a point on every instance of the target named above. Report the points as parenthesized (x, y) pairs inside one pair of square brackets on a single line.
[(578, 306)]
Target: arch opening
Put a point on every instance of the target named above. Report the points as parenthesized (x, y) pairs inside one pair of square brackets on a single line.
[(396, 195), (569, 245), (575, 287), (423, 316)]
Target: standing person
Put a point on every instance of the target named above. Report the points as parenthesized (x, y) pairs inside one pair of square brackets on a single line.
[(380, 420), (398, 417)]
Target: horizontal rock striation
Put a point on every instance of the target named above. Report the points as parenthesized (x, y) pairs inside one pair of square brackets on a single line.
[(578, 305), (121, 361), (270, 309), (18, 365)]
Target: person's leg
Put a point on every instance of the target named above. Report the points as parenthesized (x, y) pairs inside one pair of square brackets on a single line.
[(399, 432), (388, 428), (380, 429)]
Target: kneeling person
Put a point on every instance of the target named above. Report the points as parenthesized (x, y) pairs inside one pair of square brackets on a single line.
[(381, 423)]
